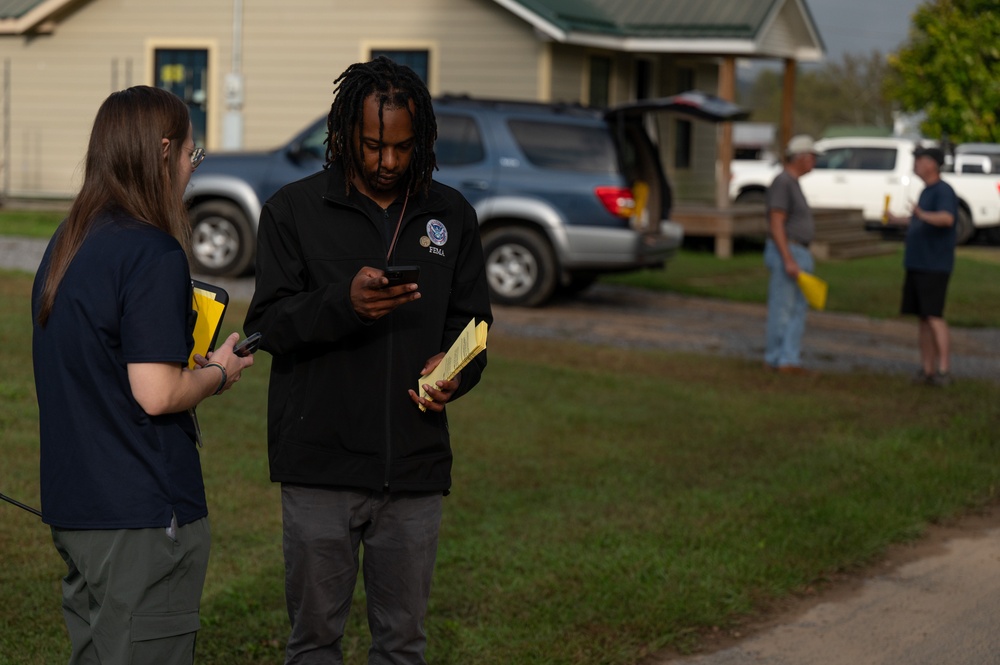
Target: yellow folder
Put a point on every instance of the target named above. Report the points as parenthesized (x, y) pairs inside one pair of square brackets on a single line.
[(814, 289), (209, 303)]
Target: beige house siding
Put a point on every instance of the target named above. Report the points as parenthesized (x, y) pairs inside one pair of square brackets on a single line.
[(475, 47), (57, 81), (290, 56), (784, 36), (695, 183), (567, 73), (622, 87)]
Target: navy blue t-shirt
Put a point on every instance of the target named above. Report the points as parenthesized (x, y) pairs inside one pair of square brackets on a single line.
[(105, 463), (932, 248)]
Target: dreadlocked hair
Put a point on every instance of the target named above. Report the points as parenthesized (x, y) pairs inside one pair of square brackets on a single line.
[(395, 86)]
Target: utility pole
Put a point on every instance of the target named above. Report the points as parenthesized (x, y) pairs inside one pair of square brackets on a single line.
[(232, 121)]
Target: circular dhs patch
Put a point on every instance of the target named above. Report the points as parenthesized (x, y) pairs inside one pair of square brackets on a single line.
[(437, 232)]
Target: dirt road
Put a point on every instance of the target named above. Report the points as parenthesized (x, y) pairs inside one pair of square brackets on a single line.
[(618, 315), (833, 342), (931, 603)]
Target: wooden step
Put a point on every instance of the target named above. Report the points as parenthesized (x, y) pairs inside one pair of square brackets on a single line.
[(840, 234)]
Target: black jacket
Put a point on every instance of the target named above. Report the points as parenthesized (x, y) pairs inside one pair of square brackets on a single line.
[(338, 409)]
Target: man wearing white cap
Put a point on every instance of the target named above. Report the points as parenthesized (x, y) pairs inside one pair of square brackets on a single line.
[(786, 254)]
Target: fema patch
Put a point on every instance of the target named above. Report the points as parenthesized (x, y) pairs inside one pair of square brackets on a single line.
[(437, 232)]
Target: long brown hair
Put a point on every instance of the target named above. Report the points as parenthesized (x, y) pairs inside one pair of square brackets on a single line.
[(125, 170)]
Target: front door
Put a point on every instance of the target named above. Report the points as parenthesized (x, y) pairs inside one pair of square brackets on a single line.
[(184, 72)]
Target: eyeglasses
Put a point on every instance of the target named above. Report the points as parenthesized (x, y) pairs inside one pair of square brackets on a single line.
[(197, 157)]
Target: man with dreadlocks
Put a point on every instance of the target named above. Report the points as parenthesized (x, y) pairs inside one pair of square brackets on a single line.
[(358, 461)]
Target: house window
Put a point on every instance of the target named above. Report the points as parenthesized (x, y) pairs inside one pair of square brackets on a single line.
[(600, 81), (683, 136), (184, 72), (643, 79), (417, 60)]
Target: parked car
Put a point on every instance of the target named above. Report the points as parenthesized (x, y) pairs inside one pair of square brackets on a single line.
[(750, 178), (555, 187), (870, 173), (976, 158)]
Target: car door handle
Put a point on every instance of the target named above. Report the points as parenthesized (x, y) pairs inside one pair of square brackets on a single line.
[(475, 184), (840, 180)]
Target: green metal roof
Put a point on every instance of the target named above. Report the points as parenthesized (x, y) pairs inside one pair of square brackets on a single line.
[(10, 9), (656, 18), (614, 19)]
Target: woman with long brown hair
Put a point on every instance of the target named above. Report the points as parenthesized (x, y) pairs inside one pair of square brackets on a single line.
[(121, 479)]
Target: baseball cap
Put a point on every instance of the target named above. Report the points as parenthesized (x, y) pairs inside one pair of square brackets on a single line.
[(800, 145), (937, 154)]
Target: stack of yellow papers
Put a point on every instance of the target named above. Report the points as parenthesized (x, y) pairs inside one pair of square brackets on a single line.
[(468, 345), (814, 289)]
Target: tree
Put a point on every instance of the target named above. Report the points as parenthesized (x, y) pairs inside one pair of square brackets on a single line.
[(846, 93), (849, 92), (950, 69)]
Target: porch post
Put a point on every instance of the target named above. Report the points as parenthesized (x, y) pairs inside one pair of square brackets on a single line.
[(727, 91), (787, 107)]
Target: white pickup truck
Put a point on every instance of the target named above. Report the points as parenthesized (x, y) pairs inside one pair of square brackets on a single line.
[(865, 173)]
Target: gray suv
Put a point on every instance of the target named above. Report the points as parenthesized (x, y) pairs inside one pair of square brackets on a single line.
[(563, 193)]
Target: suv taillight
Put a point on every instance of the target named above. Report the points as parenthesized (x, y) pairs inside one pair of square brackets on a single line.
[(618, 200)]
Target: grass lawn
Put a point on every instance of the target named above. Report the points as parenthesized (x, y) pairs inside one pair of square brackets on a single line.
[(30, 223), (606, 502), (870, 286)]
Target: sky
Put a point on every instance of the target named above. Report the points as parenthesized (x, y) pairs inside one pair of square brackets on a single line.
[(859, 26)]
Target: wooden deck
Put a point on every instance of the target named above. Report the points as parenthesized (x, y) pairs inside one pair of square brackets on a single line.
[(840, 234)]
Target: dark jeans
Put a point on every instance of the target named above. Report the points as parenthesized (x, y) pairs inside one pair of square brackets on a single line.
[(323, 531)]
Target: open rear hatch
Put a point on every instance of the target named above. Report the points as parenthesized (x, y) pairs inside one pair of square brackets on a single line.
[(641, 162)]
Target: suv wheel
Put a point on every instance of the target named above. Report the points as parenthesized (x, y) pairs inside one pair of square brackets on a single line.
[(222, 240), (520, 267), (752, 197)]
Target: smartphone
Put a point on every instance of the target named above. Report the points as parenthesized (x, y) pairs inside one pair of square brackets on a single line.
[(248, 345), (402, 275)]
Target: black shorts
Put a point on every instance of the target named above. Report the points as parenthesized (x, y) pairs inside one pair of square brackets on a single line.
[(924, 292)]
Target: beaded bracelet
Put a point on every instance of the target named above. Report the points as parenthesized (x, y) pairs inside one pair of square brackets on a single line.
[(225, 376)]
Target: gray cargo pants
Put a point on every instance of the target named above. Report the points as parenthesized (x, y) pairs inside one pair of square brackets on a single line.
[(131, 596), (323, 530)]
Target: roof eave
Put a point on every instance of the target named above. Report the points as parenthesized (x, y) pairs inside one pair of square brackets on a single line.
[(811, 24), (711, 45), (692, 45), (547, 28), (35, 21), (815, 53)]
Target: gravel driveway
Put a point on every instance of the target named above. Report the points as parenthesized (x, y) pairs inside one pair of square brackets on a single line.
[(632, 317), (832, 343)]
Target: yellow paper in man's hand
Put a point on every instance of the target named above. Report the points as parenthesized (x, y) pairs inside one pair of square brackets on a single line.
[(814, 289)]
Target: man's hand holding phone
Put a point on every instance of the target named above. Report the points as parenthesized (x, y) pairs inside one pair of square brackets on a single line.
[(402, 275), (374, 294)]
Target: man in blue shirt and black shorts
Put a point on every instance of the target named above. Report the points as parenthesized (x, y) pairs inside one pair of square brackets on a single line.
[(929, 260)]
